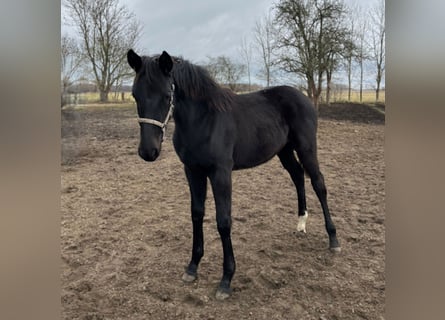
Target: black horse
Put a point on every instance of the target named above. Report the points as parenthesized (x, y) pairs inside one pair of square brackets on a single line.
[(217, 131)]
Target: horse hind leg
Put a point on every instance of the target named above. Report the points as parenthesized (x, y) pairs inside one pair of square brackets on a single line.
[(296, 172), (310, 164)]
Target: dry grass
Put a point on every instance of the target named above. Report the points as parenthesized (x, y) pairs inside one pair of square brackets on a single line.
[(368, 96), (92, 98)]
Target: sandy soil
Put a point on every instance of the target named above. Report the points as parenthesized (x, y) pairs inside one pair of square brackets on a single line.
[(126, 228)]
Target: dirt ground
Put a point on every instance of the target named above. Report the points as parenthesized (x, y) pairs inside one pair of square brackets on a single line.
[(126, 228)]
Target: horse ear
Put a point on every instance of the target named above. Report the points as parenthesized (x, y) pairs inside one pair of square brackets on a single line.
[(165, 62), (134, 60)]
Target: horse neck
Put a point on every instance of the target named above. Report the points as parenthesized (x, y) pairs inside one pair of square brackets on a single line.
[(197, 88), (188, 110)]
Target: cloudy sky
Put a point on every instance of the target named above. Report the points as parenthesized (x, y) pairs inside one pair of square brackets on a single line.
[(197, 29)]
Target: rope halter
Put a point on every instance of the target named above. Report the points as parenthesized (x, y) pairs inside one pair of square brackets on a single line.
[(157, 123)]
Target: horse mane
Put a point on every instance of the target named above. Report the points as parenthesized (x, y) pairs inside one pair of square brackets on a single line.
[(151, 68), (195, 82)]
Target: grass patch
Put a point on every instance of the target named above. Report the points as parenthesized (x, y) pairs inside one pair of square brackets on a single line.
[(101, 106)]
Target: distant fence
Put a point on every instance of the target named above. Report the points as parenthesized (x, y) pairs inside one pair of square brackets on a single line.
[(341, 95), (126, 97), (94, 97)]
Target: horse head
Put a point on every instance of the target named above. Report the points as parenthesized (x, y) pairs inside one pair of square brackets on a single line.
[(153, 91)]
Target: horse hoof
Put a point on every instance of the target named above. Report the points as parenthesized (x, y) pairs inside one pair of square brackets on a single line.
[(222, 294), (335, 249), (188, 277)]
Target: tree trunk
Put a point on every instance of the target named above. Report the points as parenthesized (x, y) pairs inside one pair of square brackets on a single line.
[(328, 92), (377, 90), (361, 79), (103, 96), (318, 90), (312, 93), (316, 97), (349, 78), (328, 87)]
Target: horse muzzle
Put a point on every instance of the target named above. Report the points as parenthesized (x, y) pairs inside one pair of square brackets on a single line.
[(149, 155)]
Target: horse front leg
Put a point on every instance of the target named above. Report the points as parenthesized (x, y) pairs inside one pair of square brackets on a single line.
[(221, 181), (198, 189)]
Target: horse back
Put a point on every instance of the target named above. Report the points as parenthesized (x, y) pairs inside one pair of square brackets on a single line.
[(296, 107), (267, 120), (261, 129), (299, 114)]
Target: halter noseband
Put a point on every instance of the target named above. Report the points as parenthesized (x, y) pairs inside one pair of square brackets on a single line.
[(162, 125)]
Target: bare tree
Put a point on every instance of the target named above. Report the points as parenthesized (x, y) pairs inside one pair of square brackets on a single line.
[(108, 30), (213, 68), (71, 60), (378, 42), (225, 71), (362, 50), (331, 66), (307, 40), (264, 38), (351, 47), (246, 53), (335, 43)]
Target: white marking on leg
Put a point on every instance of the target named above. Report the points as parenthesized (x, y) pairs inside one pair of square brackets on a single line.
[(188, 277), (221, 295), (301, 227)]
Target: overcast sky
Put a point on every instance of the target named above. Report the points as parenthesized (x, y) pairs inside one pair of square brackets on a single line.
[(197, 29)]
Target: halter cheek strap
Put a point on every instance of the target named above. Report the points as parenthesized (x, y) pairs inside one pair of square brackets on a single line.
[(157, 123)]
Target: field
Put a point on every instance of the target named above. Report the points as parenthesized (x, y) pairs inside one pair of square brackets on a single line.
[(126, 229), (337, 95), (368, 96)]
